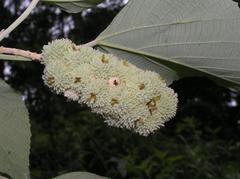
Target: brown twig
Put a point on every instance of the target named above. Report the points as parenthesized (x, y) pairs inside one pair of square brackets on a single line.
[(23, 53)]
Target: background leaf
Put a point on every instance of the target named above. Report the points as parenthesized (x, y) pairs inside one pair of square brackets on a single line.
[(14, 134), (192, 37), (13, 57), (74, 6), (80, 175), (1, 177)]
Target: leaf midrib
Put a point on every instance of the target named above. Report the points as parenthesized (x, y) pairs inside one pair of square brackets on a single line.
[(99, 39)]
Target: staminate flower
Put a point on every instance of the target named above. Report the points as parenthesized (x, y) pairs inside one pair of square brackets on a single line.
[(126, 96)]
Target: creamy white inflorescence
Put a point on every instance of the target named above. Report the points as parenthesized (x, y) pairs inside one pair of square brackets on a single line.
[(126, 96)]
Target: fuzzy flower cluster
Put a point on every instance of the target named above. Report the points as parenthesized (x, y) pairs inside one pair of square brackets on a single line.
[(126, 96)]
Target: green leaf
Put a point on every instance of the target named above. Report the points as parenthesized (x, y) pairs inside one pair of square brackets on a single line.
[(80, 175), (74, 6), (191, 37), (13, 57), (14, 134)]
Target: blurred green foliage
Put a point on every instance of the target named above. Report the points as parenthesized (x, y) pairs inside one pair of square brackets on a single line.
[(201, 142)]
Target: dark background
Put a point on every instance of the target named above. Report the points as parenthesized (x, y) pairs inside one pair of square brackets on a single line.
[(201, 142)]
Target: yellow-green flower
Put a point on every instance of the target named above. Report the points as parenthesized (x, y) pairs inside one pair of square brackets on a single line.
[(126, 96)]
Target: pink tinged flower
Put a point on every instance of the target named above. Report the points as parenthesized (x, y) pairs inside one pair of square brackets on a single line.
[(113, 82), (71, 95)]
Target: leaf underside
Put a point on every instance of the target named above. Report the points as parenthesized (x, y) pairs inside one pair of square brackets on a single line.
[(14, 134), (191, 37), (74, 6), (80, 175)]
